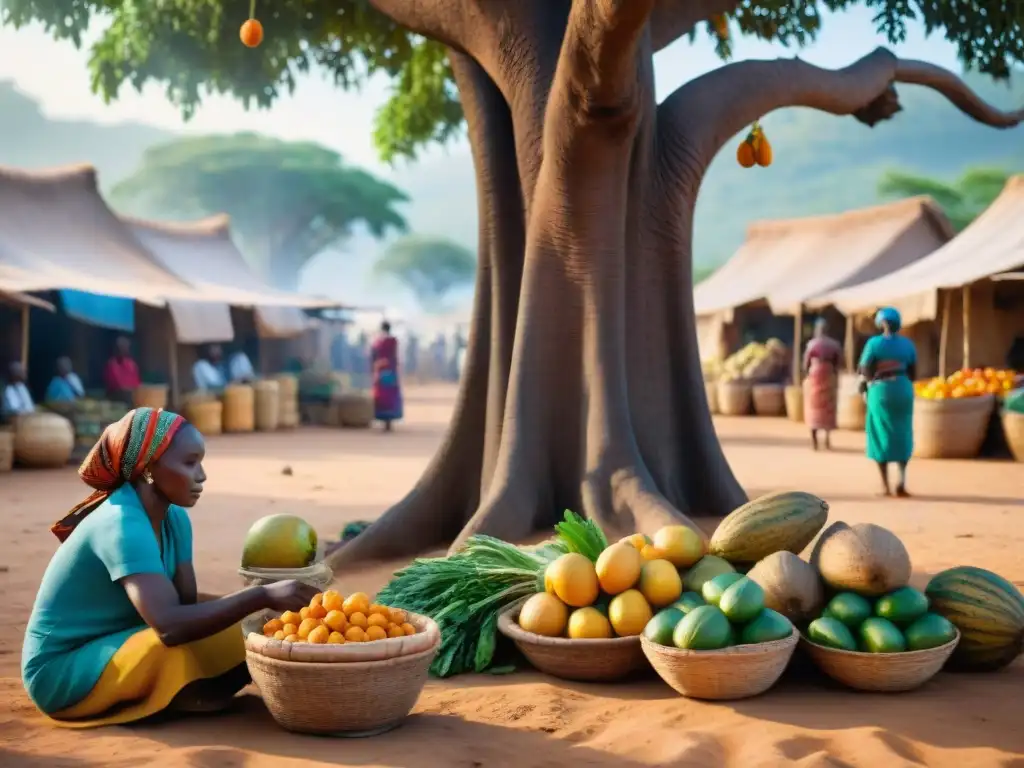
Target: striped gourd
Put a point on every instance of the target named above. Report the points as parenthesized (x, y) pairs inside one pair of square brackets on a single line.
[(987, 609), (778, 522)]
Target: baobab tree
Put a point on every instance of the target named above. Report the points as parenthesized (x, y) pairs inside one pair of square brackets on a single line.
[(582, 386)]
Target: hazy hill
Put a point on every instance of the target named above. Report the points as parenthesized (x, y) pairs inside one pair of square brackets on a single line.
[(822, 164)]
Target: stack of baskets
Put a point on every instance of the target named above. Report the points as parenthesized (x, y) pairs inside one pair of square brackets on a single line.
[(769, 400), (205, 412), (239, 413), (6, 449), (288, 400), (951, 428), (268, 404), (734, 398), (43, 440), (150, 395)]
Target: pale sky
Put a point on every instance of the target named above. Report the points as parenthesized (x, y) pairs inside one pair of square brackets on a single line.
[(57, 76)]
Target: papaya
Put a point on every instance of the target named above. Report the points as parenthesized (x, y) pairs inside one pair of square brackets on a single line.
[(989, 612), (902, 606), (763, 155), (831, 633), (777, 522), (769, 625), (705, 628), (713, 589), (745, 155), (742, 601)]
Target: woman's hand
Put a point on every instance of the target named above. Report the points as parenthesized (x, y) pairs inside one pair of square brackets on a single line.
[(289, 595)]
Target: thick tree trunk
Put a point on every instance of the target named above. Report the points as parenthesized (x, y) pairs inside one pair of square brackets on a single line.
[(583, 387)]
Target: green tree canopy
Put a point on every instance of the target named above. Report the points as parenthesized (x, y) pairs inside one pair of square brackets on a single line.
[(192, 48), (287, 201), (430, 267), (963, 200)]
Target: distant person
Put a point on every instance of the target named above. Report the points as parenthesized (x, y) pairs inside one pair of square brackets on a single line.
[(412, 354), (240, 370), (888, 367), (17, 398), (118, 630), (65, 387), (387, 393), (121, 375), (209, 373), (821, 387)]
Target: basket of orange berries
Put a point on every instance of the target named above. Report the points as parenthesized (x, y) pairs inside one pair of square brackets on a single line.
[(340, 666), (951, 414)]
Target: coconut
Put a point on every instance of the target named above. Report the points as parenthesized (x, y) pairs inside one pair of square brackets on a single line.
[(791, 586), (863, 558)]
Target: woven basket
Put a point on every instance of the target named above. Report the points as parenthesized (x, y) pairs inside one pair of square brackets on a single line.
[(352, 699), (288, 401), (6, 450), (711, 393), (268, 405), (239, 414), (588, 660), (738, 672), (150, 396), (355, 410), (851, 412), (205, 415), (1013, 428), (318, 575), (43, 440), (884, 672), (795, 403), (734, 398), (951, 429), (769, 400)]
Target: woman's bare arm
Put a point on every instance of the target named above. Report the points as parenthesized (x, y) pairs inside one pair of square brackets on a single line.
[(185, 583)]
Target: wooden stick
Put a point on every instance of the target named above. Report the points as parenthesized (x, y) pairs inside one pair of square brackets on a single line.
[(947, 310), (967, 326), (798, 340), (24, 337), (851, 320), (172, 362)]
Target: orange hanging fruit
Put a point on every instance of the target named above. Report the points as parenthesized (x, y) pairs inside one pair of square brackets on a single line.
[(251, 33), (763, 155), (745, 154), (721, 25)]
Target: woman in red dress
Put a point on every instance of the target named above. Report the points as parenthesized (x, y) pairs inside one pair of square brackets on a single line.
[(387, 393), (821, 387)]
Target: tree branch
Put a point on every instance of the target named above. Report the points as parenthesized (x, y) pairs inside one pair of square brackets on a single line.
[(696, 120), (672, 19), (447, 21)]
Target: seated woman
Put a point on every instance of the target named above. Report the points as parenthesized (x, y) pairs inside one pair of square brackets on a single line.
[(117, 632)]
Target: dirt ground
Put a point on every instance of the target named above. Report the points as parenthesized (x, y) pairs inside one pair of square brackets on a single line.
[(962, 513)]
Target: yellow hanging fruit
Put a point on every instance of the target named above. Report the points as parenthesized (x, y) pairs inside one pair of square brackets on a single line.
[(745, 154)]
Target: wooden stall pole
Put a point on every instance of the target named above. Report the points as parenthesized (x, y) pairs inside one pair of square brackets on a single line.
[(851, 321), (947, 310), (798, 339), (24, 337), (172, 363), (967, 326)]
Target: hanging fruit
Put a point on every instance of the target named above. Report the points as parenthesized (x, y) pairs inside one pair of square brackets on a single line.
[(721, 24), (755, 149), (745, 154), (251, 32)]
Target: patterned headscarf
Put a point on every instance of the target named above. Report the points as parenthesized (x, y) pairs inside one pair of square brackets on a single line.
[(890, 317), (121, 455)]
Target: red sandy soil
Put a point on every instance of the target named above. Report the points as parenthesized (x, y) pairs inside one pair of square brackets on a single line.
[(963, 513)]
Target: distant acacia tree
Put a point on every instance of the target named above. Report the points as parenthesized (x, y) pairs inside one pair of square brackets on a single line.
[(431, 267), (288, 201), (963, 200)]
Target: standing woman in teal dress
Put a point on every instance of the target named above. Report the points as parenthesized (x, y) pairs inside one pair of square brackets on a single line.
[(888, 368)]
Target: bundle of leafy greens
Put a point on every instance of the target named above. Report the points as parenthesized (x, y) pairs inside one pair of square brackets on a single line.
[(465, 592)]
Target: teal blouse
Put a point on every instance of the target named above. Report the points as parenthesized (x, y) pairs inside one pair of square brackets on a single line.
[(889, 354), (82, 614)]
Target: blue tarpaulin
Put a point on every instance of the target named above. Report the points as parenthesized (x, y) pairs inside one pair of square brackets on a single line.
[(105, 311)]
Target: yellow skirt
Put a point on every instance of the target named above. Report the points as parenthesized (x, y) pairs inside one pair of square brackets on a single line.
[(145, 675)]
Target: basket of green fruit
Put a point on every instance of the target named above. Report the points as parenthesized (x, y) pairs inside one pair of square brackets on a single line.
[(722, 643), (891, 644)]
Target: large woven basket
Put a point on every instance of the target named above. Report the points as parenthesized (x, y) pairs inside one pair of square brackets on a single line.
[(150, 396), (355, 410), (43, 440), (795, 403), (588, 660), (738, 672), (769, 400), (734, 398), (711, 393), (268, 404), (1013, 428), (205, 415), (851, 411), (288, 400), (6, 449), (951, 428), (239, 414), (318, 575), (344, 697), (884, 672)]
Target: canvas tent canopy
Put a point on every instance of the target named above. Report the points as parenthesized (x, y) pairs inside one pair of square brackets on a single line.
[(57, 233), (203, 254), (787, 263)]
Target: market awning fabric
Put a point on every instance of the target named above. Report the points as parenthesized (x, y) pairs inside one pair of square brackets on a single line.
[(57, 233), (790, 262), (203, 254), (103, 311), (992, 244)]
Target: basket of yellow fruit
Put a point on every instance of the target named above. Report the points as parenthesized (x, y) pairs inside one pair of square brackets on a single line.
[(340, 666), (951, 415)]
